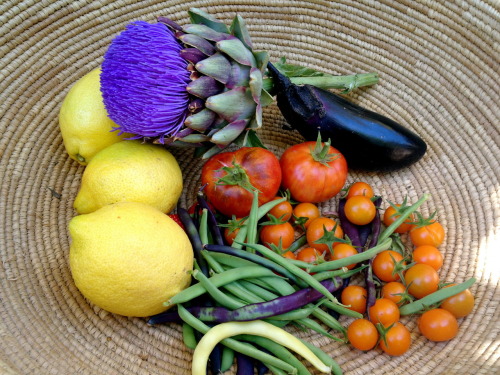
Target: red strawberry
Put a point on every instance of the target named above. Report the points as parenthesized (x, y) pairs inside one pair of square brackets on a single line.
[(176, 218)]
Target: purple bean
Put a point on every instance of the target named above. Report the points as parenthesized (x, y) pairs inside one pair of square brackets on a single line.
[(212, 221), (370, 284), (194, 237), (350, 230), (244, 365)]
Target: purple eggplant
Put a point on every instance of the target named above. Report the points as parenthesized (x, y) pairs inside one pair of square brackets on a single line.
[(368, 140)]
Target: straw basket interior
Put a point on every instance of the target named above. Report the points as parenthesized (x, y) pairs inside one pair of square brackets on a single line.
[(438, 64)]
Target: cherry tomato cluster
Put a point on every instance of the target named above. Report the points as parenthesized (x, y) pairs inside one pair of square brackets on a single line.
[(402, 277)]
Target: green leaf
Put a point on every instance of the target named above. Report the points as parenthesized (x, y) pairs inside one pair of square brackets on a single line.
[(290, 70), (249, 138)]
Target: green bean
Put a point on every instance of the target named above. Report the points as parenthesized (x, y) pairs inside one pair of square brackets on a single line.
[(275, 370), (418, 305), (303, 275), (219, 280), (261, 212), (229, 260), (343, 273), (263, 293), (298, 243), (235, 287), (328, 320), (280, 286), (357, 258), (227, 359), (315, 326), (400, 219), (222, 298), (203, 229), (328, 360), (240, 347), (252, 222), (342, 309), (278, 350), (188, 336)]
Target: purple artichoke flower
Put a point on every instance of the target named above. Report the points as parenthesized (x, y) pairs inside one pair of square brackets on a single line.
[(198, 85)]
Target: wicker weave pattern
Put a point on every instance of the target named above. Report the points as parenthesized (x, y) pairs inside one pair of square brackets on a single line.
[(439, 66)]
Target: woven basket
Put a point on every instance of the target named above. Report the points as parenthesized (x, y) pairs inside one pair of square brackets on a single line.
[(438, 64)]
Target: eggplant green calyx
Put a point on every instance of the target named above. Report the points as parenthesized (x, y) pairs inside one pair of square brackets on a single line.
[(236, 175), (321, 152)]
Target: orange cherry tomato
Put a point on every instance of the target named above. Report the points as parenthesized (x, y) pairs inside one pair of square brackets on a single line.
[(316, 230), (390, 217), (460, 304), (307, 210), (422, 280), (289, 255), (344, 250), (309, 255), (384, 311), (360, 188), (394, 291), (282, 211), (397, 340), (428, 254), (384, 265), (362, 334), (354, 296), (438, 325), (431, 234), (273, 234), (360, 210)]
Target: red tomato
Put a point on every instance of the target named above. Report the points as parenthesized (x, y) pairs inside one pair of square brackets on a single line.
[(310, 176), (354, 296), (397, 340), (430, 255), (431, 234), (384, 311), (277, 234), (360, 188), (438, 325), (316, 230), (282, 211), (390, 216), (344, 250), (226, 176), (385, 263), (309, 255), (360, 210), (460, 304), (362, 334), (306, 210), (422, 280)]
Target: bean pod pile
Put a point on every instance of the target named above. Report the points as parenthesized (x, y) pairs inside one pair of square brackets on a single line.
[(279, 262)]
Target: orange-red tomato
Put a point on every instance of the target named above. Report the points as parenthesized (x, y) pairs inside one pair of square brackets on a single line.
[(309, 255), (397, 340), (384, 265), (360, 210), (362, 334), (354, 296), (460, 304), (344, 250), (390, 217), (308, 210), (282, 211), (316, 230), (310, 179), (428, 254), (438, 325), (276, 233), (360, 188), (384, 311), (431, 234), (394, 291), (422, 280)]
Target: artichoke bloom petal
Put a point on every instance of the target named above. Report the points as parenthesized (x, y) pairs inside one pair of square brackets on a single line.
[(144, 79)]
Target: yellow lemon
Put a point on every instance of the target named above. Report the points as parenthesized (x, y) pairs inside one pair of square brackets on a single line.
[(83, 120), (129, 258), (130, 171)]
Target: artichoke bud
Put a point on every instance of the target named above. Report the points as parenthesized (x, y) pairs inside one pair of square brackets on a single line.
[(192, 55), (229, 133), (206, 32), (235, 104), (236, 50), (204, 87), (240, 31), (200, 121), (215, 66), (201, 17), (197, 42)]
